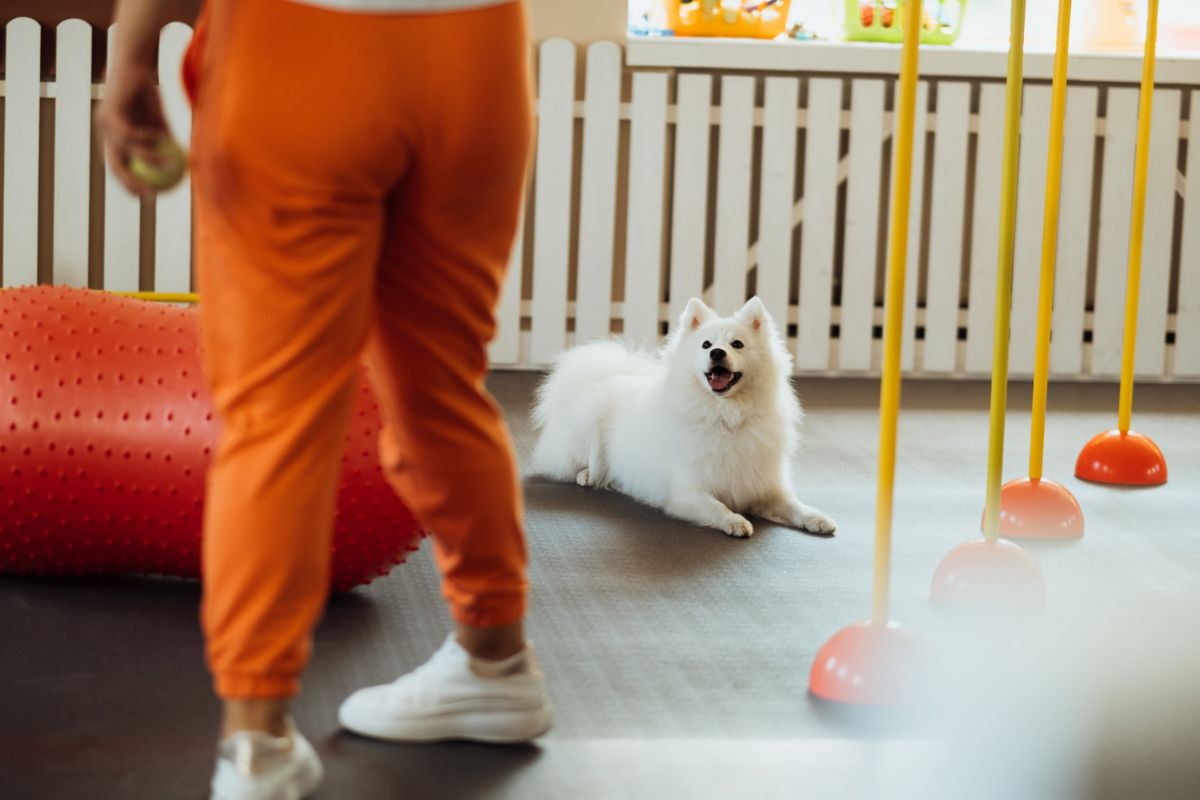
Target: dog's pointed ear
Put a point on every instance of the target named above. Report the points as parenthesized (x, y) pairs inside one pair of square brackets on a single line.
[(754, 313), (696, 314)]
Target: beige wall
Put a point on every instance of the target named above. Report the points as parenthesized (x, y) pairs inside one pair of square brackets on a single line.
[(577, 20)]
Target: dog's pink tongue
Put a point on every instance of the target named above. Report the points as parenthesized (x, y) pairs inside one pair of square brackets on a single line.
[(720, 380)]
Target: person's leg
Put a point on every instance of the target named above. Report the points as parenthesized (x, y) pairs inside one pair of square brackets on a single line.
[(445, 449), (291, 168), (445, 446), (450, 230)]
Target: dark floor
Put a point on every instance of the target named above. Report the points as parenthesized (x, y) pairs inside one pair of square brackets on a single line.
[(677, 658)]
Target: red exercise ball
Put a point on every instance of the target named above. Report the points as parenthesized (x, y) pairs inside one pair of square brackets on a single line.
[(106, 432)]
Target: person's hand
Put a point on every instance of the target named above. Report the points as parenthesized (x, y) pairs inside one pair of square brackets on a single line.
[(131, 120)]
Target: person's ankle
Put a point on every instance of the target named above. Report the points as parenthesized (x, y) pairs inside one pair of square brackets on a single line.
[(493, 652), (259, 715), (515, 664), (491, 644)]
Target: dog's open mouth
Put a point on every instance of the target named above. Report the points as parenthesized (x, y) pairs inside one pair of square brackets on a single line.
[(721, 380)]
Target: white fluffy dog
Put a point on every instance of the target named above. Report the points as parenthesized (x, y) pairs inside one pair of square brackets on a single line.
[(705, 429)]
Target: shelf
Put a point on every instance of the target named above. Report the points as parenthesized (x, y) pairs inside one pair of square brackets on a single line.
[(1180, 69)]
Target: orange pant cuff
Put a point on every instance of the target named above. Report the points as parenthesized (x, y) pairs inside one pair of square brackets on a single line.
[(244, 687), (489, 612)]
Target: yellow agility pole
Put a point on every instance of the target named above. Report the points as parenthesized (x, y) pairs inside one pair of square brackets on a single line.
[(1041, 364), (162, 297), (1137, 222), (1123, 456), (1004, 270), (1033, 507), (988, 576), (893, 320), (879, 662)]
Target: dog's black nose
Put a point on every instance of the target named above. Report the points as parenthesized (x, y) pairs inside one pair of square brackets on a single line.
[(716, 354)]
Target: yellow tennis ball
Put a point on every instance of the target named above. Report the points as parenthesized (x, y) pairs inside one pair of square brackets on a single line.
[(166, 174)]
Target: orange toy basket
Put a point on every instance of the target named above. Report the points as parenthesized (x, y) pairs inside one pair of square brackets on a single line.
[(756, 19)]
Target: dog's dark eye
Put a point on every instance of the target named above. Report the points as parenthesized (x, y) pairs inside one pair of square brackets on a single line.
[(737, 344), (706, 345)]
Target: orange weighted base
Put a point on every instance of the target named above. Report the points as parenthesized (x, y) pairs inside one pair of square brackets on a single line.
[(982, 578), (870, 665), (1126, 459), (1039, 509), (105, 437)]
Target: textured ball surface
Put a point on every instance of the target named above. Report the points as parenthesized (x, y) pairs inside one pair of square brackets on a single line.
[(106, 432), (168, 173)]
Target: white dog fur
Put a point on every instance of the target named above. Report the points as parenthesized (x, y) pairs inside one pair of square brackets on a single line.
[(657, 428)]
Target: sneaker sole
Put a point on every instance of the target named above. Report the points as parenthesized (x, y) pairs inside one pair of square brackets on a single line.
[(303, 784), (309, 779), (492, 727)]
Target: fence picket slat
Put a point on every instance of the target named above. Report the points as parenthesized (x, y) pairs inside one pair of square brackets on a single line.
[(921, 125), (777, 194), (689, 197), (1027, 249), (985, 235), (505, 347), (735, 150), (1151, 349), (1187, 319), (644, 223), (818, 228), (122, 223), (1112, 256), (72, 152), (173, 209), (552, 199), (860, 237), (946, 228), (912, 275), (598, 191), (22, 76), (1075, 213)]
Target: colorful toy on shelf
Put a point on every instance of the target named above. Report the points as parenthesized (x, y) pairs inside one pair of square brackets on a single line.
[(106, 432), (878, 21), (798, 33), (1112, 25), (755, 19)]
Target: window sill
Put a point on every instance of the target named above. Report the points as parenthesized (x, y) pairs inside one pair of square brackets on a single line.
[(972, 61)]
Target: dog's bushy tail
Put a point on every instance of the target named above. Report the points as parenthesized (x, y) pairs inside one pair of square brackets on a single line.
[(573, 402)]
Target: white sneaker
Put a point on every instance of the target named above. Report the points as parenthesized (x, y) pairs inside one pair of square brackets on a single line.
[(256, 766), (449, 697)]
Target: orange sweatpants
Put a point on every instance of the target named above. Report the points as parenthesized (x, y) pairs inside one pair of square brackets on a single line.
[(357, 179)]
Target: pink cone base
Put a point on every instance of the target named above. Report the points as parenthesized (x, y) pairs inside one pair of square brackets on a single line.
[(869, 665), (983, 577), (1039, 509)]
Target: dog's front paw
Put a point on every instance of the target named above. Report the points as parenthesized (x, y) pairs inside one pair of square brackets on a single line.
[(584, 477), (818, 523), (738, 526)]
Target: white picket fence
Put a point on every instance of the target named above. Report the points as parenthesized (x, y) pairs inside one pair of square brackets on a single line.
[(644, 200), (73, 94)]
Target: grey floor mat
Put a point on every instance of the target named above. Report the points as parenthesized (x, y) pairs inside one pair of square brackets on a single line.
[(677, 657)]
